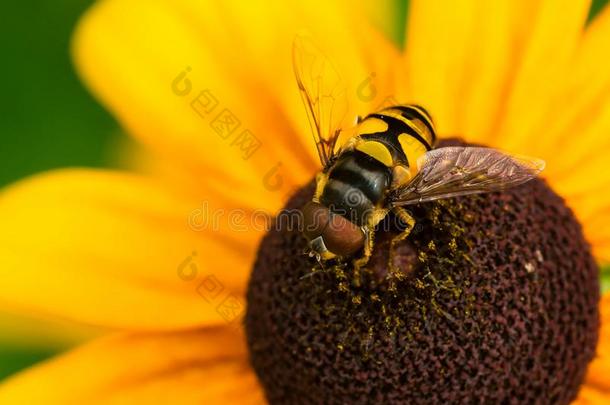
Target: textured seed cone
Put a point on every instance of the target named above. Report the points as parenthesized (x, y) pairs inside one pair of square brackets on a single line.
[(496, 302)]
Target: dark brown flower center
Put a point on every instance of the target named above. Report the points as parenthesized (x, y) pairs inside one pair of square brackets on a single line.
[(497, 303)]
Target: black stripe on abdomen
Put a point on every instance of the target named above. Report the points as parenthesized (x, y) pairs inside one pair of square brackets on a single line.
[(363, 172), (411, 113), (356, 184), (395, 128), (348, 201)]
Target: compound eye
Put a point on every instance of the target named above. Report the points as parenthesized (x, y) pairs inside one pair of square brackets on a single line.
[(315, 219), (342, 237)]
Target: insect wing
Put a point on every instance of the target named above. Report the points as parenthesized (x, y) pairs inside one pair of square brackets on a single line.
[(324, 95), (457, 171)]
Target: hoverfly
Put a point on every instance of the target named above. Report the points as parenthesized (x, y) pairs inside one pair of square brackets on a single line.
[(387, 163)]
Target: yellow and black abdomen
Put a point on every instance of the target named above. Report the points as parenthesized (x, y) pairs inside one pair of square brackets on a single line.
[(405, 132), (381, 155), (355, 186)]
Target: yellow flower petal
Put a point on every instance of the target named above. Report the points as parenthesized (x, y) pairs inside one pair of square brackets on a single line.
[(593, 213), (599, 369), (541, 71), (192, 367), (236, 63), (473, 63), (445, 43), (136, 72), (45, 332), (115, 249), (573, 137), (579, 118), (591, 396)]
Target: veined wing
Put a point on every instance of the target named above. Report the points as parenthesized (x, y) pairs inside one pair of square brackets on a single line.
[(324, 95), (457, 171)]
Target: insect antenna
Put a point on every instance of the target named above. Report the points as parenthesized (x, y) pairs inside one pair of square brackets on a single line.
[(322, 269)]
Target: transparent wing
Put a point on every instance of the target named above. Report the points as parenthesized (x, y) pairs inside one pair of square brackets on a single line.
[(324, 95), (455, 171)]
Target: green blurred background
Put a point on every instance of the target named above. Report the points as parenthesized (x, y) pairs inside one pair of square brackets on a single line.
[(49, 120)]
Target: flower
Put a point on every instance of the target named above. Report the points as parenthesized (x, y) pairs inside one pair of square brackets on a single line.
[(132, 252), (487, 308)]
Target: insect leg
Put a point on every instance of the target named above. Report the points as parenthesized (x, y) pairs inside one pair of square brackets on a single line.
[(409, 222), (368, 249)]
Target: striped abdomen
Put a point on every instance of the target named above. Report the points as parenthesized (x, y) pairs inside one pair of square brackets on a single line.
[(397, 135), (380, 156), (356, 185)]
